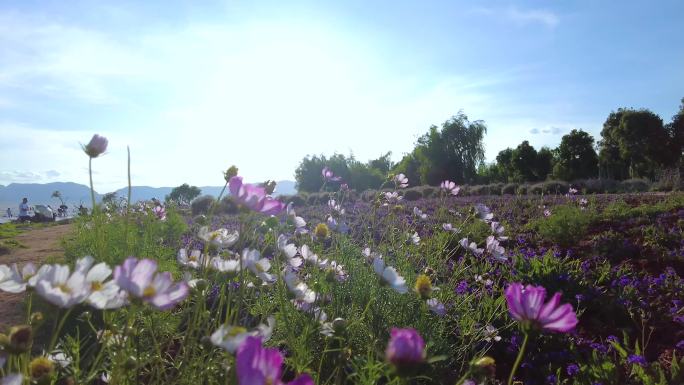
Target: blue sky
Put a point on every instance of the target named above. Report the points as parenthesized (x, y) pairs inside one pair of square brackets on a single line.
[(194, 87)]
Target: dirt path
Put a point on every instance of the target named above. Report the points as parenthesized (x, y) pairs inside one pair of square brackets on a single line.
[(40, 244)]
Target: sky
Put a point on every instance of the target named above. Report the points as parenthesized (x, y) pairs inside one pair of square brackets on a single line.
[(194, 87)]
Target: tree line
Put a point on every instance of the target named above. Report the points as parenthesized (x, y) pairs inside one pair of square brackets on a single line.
[(634, 143)]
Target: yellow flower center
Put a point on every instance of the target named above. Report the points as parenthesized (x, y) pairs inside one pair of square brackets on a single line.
[(235, 331), (64, 288), (321, 230), (96, 285), (149, 291)]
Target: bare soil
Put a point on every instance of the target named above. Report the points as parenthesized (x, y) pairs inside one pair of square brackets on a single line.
[(40, 244)]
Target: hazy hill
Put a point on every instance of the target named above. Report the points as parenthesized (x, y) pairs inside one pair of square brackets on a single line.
[(75, 194)]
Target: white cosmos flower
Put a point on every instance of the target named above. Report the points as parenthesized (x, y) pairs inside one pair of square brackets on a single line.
[(224, 265), (299, 289), (14, 281), (194, 260), (436, 307), (103, 294), (231, 337), (62, 288), (417, 212), (336, 206), (450, 227), (495, 249), (414, 238), (221, 237), (289, 250), (484, 212), (491, 333), (311, 258), (12, 379), (252, 260), (389, 275), (60, 358), (393, 197), (299, 222), (472, 246), (401, 181), (498, 231)]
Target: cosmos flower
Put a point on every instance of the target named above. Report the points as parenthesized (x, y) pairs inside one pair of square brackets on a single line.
[(449, 187), (472, 246), (220, 238), (231, 337), (160, 212), (527, 306), (14, 281), (252, 260), (254, 197), (340, 227), (289, 250), (329, 176), (436, 307), (299, 289), (104, 293), (392, 197), (495, 250), (498, 231), (12, 379), (221, 265), (141, 280), (96, 147), (491, 334), (414, 238), (417, 212), (547, 212), (405, 347), (195, 260), (401, 181), (299, 222), (389, 275), (311, 258), (484, 212), (63, 288), (256, 365), (450, 227), (336, 206)]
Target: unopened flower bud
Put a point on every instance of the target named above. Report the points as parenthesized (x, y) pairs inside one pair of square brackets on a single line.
[(231, 172), (270, 186), (321, 231), (20, 339), (96, 147), (37, 318), (339, 325), (483, 366), (201, 284), (41, 367)]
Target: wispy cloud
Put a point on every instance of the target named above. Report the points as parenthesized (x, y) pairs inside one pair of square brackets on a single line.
[(521, 17)]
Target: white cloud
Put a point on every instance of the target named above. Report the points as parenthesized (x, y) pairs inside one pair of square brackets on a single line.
[(521, 17)]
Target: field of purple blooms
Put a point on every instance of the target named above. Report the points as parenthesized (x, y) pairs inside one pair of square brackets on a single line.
[(561, 289)]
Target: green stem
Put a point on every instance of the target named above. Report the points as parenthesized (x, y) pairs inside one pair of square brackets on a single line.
[(92, 190), (128, 202), (57, 329), (518, 359)]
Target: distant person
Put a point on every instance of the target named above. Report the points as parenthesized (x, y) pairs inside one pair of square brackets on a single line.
[(24, 210), (9, 212)]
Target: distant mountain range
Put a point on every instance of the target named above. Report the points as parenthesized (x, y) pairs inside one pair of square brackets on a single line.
[(75, 194)]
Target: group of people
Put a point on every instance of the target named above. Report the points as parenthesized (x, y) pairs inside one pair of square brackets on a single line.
[(25, 211)]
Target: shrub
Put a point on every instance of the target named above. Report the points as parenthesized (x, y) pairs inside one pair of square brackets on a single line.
[(495, 189), (412, 194), (478, 190), (566, 225), (428, 191), (202, 204), (523, 189), (635, 185), (668, 180), (296, 200), (369, 195), (597, 186), (318, 198), (510, 189), (227, 206)]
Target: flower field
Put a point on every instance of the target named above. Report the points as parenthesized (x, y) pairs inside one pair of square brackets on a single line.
[(556, 289)]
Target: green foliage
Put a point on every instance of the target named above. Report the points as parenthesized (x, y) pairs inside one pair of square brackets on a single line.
[(363, 177), (510, 189), (566, 225), (412, 194), (202, 204), (577, 158), (183, 194)]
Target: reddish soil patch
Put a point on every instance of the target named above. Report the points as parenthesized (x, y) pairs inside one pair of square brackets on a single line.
[(40, 244)]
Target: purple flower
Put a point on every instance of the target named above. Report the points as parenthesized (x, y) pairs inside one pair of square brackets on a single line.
[(405, 347), (257, 365), (141, 279), (636, 359), (462, 287), (254, 197), (527, 305), (329, 176), (572, 369), (96, 147)]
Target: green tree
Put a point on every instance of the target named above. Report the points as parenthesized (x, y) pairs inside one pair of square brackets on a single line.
[(546, 159), (57, 194), (183, 194), (577, 158), (675, 131), (409, 166), (383, 164), (504, 162), (364, 177), (634, 144), (308, 174), (453, 153), (523, 162)]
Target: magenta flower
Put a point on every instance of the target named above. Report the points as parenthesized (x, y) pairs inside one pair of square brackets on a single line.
[(527, 305), (405, 347), (96, 147), (160, 212), (254, 197), (329, 176), (257, 365), (141, 279)]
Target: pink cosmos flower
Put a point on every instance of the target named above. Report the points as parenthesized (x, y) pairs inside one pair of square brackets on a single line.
[(450, 187), (527, 305), (329, 176), (160, 212), (141, 279), (257, 365), (405, 347), (401, 181), (254, 197), (96, 147)]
